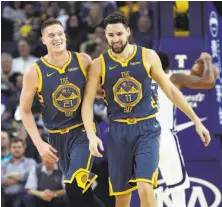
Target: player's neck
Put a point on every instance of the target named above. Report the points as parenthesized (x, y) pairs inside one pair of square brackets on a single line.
[(57, 58), (127, 52)]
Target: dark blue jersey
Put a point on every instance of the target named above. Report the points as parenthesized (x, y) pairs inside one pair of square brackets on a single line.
[(60, 91), (127, 86)]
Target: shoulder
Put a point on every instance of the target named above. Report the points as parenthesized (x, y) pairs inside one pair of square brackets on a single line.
[(97, 61), (5, 163), (151, 56), (150, 52), (31, 71), (85, 60), (85, 57)]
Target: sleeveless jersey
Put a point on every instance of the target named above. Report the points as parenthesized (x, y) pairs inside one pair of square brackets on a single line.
[(127, 86), (60, 91)]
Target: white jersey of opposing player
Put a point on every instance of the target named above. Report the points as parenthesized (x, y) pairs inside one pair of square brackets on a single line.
[(166, 110)]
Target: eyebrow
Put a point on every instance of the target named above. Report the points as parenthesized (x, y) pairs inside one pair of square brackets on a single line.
[(55, 33)]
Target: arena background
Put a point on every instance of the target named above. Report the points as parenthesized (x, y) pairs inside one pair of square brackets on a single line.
[(182, 29)]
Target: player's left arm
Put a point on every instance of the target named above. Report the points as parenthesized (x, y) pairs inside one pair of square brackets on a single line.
[(174, 94), (207, 81)]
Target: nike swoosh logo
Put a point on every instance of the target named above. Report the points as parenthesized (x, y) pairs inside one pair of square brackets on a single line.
[(181, 127), (111, 68), (156, 125), (50, 74)]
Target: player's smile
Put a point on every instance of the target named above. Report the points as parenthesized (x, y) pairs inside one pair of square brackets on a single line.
[(57, 43)]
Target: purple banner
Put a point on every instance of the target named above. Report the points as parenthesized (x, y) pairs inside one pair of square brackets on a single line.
[(213, 45), (205, 189), (182, 53)]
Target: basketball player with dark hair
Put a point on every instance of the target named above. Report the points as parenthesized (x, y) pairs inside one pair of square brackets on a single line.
[(126, 72), (171, 162)]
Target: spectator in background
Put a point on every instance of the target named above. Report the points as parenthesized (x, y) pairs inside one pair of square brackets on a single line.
[(37, 47), (13, 12), (93, 49), (108, 7), (54, 11), (76, 32), (143, 11), (95, 17), (73, 7), (45, 186), (96, 39), (6, 63), (31, 150), (15, 173), (43, 5), (143, 34), (5, 151), (129, 8), (13, 100), (25, 59), (29, 23)]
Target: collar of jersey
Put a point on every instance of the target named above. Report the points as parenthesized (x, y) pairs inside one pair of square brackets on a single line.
[(60, 70), (123, 63)]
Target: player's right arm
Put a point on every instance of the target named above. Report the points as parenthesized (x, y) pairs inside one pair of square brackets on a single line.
[(30, 85), (206, 81), (93, 81)]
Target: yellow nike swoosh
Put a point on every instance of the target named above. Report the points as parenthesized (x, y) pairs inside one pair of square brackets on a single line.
[(111, 68), (50, 74)]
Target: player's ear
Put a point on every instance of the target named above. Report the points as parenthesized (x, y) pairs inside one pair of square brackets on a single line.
[(128, 31), (43, 40)]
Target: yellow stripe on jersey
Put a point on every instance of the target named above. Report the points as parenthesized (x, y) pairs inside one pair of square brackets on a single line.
[(60, 70)]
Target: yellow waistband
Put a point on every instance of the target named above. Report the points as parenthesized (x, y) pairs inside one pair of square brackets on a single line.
[(135, 120), (65, 130)]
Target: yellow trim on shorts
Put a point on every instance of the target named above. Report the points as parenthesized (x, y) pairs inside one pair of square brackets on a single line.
[(65, 130), (111, 193), (147, 67), (90, 182), (81, 65), (103, 72), (154, 180), (60, 70), (135, 120), (123, 63), (88, 162), (81, 174)]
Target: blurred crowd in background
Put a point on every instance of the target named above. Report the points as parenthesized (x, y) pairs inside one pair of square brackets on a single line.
[(26, 181)]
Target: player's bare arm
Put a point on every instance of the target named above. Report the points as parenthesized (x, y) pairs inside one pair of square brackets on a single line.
[(206, 81), (174, 94), (30, 85), (85, 61), (94, 77)]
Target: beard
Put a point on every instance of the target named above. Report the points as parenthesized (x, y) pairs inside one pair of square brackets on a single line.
[(119, 50)]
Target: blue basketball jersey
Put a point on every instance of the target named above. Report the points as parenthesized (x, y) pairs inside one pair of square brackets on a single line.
[(127, 86), (60, 91)]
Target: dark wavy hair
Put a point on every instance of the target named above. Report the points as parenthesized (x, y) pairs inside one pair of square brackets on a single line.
[(165, 60), (116, 18)]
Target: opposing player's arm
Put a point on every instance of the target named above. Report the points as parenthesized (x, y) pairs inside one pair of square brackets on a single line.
[(30, 85), (94, 77), (174, 94), (207, 81)]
